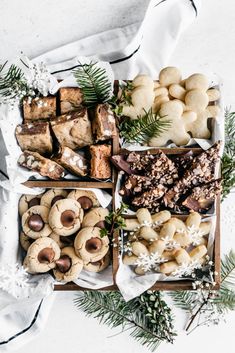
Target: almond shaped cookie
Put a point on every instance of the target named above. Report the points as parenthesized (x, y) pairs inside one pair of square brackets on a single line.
[(99, 265), (35, 222), (68, 266), (95, 217), (51, 196), (65, 217), (86, 198), (89, 245), (25, 241), (41, 256), (28, 201)]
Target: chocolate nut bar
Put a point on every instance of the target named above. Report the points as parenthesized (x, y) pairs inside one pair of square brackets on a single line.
[(44, 166), (73, 130), (100, 165), (70, 99), (103, 123), (39, 108), (34, 137), (72, 161)]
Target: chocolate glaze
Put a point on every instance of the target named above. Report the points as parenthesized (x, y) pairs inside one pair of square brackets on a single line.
[(56, 198), (67, 218), (93, 245), (85, 202), (46, 255), (35, 222), (34, 202), (64, 263), (100, 224)]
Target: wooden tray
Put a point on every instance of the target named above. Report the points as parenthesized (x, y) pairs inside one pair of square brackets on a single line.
[(160, 285)]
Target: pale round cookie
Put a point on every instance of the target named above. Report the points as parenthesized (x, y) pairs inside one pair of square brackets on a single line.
[(61, 240), (41, 255), (177, 91), (51, 196), (169, 75), (213, 94), (197, 81), (86, 198), (27, 201), (98, 266), (35, 222), (65, 217), (89, 245), (95, 217), (196, 100), (25, 241), (68, 266)]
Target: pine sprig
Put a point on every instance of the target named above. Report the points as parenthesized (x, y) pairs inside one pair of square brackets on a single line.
[(94, 83), (114, 221), (228, 159), (142, 129), (13, 83), (209, 306), (148, 317)]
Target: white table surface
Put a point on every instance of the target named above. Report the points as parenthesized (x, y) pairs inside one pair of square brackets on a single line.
[(208, 45)]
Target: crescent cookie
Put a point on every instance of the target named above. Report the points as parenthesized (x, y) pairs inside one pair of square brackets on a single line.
[(86, 198), (65, 217), (35, 222), (51, 196)]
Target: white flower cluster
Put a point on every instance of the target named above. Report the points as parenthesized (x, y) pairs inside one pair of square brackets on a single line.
[(39, 78), (12, 278)]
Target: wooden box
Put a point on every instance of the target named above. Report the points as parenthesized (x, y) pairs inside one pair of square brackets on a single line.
[(110, 187)]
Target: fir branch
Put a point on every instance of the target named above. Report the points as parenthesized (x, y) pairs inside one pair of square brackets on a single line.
[(142, 129), (228, 158), (114, 221), (148, 317), (228, 270), (209, 306), (13, 84), (94, 83)]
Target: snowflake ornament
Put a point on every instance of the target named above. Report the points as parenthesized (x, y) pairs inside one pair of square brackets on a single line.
[(149, 262), (186, 269), (195, 235), (170, 244), (12, 278)]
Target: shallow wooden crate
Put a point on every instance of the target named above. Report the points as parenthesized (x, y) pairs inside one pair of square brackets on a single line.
[(160, 285)]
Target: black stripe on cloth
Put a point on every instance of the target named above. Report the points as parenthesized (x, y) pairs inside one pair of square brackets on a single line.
[(26, 329), (130, 55), (4, 174)]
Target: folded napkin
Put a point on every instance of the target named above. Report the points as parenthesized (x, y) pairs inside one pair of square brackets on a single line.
[(25, 301)]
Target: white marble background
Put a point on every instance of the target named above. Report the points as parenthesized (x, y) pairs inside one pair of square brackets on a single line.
[(208, 45)]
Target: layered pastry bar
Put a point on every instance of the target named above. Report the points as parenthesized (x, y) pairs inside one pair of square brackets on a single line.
[(44, 166), (103, 123), (100, 165), (70, 99), (72, 161), (73, 130), (35, 137), (39, 108)]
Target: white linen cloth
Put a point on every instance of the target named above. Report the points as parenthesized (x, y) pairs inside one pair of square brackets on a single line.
[(130, 50)]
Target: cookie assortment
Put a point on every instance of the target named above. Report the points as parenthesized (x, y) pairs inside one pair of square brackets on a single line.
[(61, 228), (177, 182), (188, 104), (165, 244), (71, 142), (61, 232)]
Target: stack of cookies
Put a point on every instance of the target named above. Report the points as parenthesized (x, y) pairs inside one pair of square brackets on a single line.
[(61, 231)]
